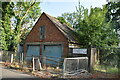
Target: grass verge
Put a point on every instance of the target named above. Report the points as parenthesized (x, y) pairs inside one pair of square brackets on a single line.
[(107, 69)]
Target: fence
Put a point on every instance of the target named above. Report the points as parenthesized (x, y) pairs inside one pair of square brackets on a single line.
[(11, 56), (73, 66), (46, 61), (52, 61), (109, 60), (14, 57)]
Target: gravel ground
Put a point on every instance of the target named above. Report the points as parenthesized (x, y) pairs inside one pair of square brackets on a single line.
[(6, 73)]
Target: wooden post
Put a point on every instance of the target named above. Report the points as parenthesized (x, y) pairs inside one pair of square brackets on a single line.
[(11, 58), (89, 59), (78, 64), (64, 68), (22, 58), (45, 62), (58, 62), (33, 64), (39, 64), (1, 56)]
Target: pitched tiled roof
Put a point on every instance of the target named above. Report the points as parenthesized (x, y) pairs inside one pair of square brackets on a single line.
[(65, 29)]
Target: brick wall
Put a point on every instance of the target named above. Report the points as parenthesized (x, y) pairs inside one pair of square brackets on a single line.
[(52, 34)]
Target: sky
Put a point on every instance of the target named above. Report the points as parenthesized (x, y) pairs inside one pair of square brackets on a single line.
[(58, 7)]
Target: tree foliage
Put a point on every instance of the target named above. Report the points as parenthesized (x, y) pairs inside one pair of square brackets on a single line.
[(92, 27), (114, 14), (17, 20), (70, 18), (6, 32), (63, 21)]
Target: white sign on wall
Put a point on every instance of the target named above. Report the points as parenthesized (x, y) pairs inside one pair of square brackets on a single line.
[(79, 51)]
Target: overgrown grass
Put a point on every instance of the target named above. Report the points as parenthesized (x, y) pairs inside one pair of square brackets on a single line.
[(107, 69)]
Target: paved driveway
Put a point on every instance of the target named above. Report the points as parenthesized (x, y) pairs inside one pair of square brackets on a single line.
[(10, 73)]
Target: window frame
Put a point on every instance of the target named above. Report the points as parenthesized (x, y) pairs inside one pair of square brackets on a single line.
[(42, 32)]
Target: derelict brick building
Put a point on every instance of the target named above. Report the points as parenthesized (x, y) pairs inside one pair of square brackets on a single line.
[(49, 37)]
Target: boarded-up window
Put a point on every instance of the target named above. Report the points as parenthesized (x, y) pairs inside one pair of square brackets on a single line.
[(42, 32)]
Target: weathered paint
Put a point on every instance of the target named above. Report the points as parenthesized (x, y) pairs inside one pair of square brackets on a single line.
[(52, 51), (33, 50)]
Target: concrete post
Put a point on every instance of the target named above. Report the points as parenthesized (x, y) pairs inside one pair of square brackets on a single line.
[(11, 58), (33, 64)]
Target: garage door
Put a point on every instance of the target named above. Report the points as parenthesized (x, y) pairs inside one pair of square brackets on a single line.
[(33, 51), (53, 53)]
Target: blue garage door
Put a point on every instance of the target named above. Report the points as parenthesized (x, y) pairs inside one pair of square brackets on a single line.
[(32, 51), (53, 53)]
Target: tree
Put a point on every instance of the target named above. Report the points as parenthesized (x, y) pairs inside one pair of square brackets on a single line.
[(114, 14), (70, 18), (6, 33), (73, 18), (17, 20), (63, 21), (26, 14), (95, 31), (92, 28)]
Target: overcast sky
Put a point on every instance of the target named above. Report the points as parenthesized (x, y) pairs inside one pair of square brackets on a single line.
[(57, 7)]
